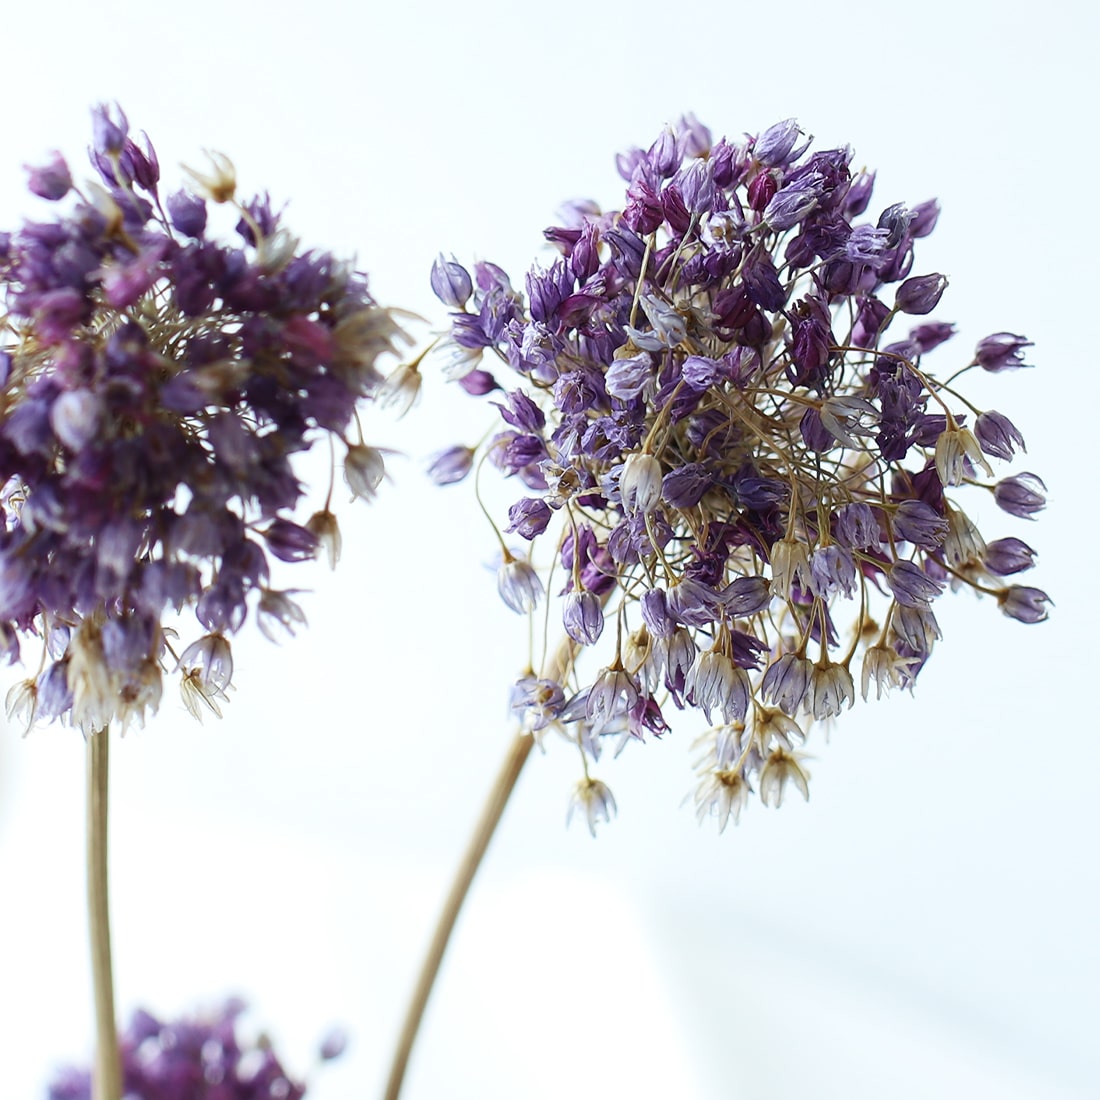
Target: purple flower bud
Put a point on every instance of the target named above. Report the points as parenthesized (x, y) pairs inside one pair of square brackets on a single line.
[(925, 215), (109, 134), (685, 486), (775, 146), (451, 282), (582, 616), (997, 435), (857, 527), (75, 418), (762, 190), (656, 613), (931, 335), (921, 294), (1007, 556), (920, 524), (477, 383), (1001, 351), (789, 206), (1022, 495), (51, 180), (188, 213), (518, 584), (451, 465), (528, 517), (291, 541), (333, 1045), (786, 680), (1027, 605), (911, 586)]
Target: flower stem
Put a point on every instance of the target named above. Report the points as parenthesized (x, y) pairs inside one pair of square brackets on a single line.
[(491, 812), (108, 1068)]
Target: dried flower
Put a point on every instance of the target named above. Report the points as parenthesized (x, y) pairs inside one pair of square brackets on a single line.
[(156, 385), (723, 436)]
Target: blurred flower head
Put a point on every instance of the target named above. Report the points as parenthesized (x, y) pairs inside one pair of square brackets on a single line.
[(156, 384)]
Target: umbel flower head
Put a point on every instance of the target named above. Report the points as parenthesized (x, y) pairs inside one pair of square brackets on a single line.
[(204, 1057), (155, 385), (720, 401)]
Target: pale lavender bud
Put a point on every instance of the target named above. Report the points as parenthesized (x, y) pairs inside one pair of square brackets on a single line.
[(582, 616), (776, 145), (75, 417), (656, 613), (451, 282), (640, 483), (518, 584), (451, 465), (528, 517), (786, 681), (1027, 605)]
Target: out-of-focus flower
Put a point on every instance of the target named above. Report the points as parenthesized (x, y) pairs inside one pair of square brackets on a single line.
[(155, 386), (729, 450), (202, 1057)]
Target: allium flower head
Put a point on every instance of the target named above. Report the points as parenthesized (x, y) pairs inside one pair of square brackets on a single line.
[(733, 444), (205, 1057), (156, 383)]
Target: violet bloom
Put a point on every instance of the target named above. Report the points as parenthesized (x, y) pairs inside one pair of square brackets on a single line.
[(158, 383), (205, 1057), (733, 440)]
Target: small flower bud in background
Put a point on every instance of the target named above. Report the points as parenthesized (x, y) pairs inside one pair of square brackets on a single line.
[(51, 180), (1001, 351)]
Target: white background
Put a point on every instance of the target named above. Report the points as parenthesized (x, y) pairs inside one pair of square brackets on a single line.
[(924, 926)]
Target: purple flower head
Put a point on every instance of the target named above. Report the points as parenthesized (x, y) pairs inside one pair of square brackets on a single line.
[(451, 282), (207, 1057), (1027, 605), (159, 386), (721, 393)]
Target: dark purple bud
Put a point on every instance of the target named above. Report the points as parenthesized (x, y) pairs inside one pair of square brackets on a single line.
[(869, 320), (925, 215), (1022, 495), (51, 180), (685, 486), (1027, 605), (1001, 351), (814, 433), (1007, 556), (582, 617), (859, 194), (521, 412), (528, 517), (997, 435), (762, 190), (762, 281), (931, 335), (291, 541), (921, 294), (451, 282)]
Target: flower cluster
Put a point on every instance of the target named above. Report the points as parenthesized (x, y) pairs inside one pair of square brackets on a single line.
[(202, 1058), (732, 440), (156, 384)]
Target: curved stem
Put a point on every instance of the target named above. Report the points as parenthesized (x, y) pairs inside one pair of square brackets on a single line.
[(491, 812), (108, 1068)]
